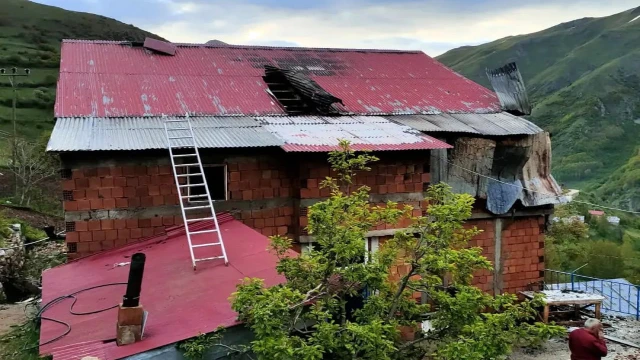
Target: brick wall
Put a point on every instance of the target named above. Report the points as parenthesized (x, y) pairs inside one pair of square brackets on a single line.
[(521, 256)]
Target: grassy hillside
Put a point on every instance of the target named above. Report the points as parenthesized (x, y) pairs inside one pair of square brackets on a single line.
[(584, 80), (30, 36)]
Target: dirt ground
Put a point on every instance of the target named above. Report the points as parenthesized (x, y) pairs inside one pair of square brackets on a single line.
[(558, 349), (33, 218), (11, 314)]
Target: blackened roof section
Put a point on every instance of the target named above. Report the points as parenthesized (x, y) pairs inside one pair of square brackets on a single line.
[(508, 84), (314, 98)]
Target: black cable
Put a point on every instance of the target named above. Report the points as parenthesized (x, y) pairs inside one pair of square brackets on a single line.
[(59, 299)]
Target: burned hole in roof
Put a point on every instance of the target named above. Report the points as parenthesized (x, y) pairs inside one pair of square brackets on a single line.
[(297, 93)]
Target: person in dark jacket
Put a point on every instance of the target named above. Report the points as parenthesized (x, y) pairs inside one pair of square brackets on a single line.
[(588, 343)]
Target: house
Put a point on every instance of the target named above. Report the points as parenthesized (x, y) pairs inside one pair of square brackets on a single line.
[(596, 213), (613, 220), (180, 303), (265, 118)]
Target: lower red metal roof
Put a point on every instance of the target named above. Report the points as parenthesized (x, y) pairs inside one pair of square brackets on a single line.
[(181, 303)]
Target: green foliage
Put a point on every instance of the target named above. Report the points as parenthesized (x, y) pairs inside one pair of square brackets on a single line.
[(21, 343), (197, 347), (582, 79), (30, 34), (312, 316)]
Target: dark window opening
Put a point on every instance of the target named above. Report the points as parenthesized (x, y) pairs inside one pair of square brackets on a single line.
[(65, 174), (72, 248), (67, 195), (216, 176), (426, 167), (70, 226)]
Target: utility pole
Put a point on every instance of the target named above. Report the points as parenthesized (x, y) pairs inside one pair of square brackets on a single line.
[(12, 80)]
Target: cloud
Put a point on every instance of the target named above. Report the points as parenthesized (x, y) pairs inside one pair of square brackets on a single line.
[(432, 26)]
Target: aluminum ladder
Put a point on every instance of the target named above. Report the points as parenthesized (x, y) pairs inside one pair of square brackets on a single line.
[(179, 134)]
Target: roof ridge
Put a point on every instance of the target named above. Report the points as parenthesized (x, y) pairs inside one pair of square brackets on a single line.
[(257, 47)]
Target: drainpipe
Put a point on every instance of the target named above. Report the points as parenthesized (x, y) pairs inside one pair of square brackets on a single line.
[(131, 315)]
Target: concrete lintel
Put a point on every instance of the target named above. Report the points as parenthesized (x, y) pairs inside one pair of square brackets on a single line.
[(518, 213), (375, 198), (141, 213), (387, 232)]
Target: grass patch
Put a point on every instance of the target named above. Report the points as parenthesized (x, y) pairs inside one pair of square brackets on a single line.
[(21, 343)]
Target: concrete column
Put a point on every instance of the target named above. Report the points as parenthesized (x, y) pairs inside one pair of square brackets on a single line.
[(497, 261)]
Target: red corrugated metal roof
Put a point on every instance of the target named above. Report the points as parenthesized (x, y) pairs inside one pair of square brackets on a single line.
[(181, 303), (113, 79)]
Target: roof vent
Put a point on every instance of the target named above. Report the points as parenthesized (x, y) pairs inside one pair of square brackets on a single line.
[(298, 93), (508, 84), (162, 47)]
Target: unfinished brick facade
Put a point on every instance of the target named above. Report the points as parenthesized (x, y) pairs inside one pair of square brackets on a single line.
[(117, 202)]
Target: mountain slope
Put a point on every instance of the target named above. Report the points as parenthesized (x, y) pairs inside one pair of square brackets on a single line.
[(30, 36), (583, 78)]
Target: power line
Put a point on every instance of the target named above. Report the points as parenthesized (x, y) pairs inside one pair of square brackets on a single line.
[(543, 193)]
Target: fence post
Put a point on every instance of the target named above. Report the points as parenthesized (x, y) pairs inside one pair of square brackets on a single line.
[(572, 276), (637, 302)]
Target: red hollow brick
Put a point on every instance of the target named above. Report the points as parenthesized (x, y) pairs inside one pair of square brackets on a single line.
[(153, 190), (85, 236), (122, 203), (132, 223), (69, 184), (134, 202), (136, 233), (123, 234), (99, 235), (158, 200), (82, 183), (167, 220), (156, 221), (104, 171), (147, 232), (70, 206), (77, 173), (120, 223), (111, 234), (116, 171), (128, 171), (94, 246), (132, 181), (120, 181), (93, 225), (72, 237), (109, 204), (146, 201), (96, 204), (105, 193), (95, 182)]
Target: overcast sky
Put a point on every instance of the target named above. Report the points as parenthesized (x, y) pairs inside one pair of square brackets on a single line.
[(431, 26)]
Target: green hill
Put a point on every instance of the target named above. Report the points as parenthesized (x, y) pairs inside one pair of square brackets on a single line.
[(30, 36), (583, 78)]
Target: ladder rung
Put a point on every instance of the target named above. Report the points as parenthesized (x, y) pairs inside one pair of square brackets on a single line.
[(210, 258), (192, 185), (203, 245), (204, 232), (200, 219), (186, 175), (196, 164), (194, 196), (184, 155), (197, 207), (180, 137)]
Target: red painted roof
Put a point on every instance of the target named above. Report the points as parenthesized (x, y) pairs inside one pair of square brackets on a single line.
[(110, 79), (596, 212), (181, 303)]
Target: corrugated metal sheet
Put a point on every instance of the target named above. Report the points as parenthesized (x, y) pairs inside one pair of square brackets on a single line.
[(316, 133), (198, 300), (87, 134), (107, 79), (499, 124)]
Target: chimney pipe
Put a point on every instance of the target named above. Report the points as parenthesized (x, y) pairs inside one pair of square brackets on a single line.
[(130, 313), (132, 297)]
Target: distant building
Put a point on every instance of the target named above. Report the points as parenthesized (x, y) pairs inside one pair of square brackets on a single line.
[(596, 212), (613, 220), (573, 218)]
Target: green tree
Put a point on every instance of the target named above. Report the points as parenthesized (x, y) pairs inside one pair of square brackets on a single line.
[(312, 315), (566, 243)]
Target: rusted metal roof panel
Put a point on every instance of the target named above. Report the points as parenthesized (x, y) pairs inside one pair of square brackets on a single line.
[(499, 124), (110, 79), (168, 277), (315, 133), (91, 134)]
